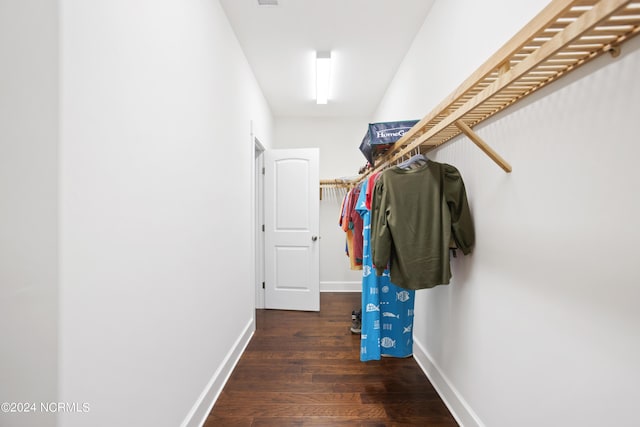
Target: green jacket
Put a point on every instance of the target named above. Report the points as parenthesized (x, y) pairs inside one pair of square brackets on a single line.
[(415, 215)]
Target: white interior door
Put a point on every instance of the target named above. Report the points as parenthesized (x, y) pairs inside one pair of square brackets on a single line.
[(292, 252)]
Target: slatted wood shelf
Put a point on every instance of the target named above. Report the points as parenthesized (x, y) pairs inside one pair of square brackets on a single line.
[(565, 35)]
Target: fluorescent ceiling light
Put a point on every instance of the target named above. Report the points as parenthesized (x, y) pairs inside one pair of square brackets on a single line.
[(323, 75)]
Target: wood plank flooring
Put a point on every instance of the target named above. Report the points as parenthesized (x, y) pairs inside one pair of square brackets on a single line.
[(304, 369)]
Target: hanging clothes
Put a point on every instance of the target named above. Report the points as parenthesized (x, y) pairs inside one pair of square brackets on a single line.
[(418, 214), (351, 224), (387, 310), (356, 225)]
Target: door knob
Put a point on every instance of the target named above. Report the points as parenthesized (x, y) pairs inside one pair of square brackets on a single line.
[(314, 238)]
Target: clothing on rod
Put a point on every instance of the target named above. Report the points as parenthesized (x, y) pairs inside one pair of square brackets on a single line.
[(401, 225), (387, 310), (417, 216)]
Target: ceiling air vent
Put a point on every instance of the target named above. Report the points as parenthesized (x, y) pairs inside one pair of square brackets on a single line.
[(268, 2)]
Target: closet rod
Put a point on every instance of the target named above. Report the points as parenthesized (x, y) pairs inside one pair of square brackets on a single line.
[(335, 183), (340, 183)]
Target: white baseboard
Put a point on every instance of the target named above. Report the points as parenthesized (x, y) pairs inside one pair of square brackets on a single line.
[(341, 286), (200, 410), (459, 408)]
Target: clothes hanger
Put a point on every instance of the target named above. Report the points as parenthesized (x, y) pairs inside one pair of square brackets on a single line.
[(414, 161)]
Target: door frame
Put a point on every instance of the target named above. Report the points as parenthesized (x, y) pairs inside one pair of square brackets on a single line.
[(258, 220)]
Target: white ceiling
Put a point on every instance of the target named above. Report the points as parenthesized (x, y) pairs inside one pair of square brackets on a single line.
[(367, 39)]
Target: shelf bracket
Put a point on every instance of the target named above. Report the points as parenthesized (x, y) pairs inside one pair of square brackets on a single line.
[(613, 50), (483, 146)]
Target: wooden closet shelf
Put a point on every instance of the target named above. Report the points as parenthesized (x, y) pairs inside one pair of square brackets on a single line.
[(565, 35), (336, 183)]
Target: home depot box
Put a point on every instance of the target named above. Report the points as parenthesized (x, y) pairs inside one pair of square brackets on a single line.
[(380, 136)]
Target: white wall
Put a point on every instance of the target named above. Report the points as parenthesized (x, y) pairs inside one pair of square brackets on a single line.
[(156, 177), (338, 140), (539, 325), (28, 207)]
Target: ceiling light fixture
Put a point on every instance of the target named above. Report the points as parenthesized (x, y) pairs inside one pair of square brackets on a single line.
[(323, 76)]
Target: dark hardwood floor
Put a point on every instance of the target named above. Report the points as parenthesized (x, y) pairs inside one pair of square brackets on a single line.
[(304, 369)]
